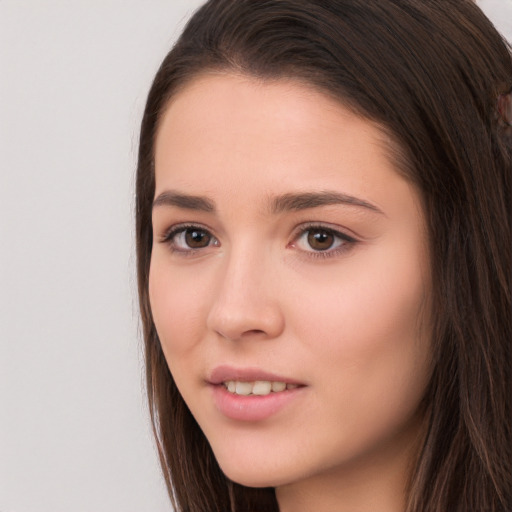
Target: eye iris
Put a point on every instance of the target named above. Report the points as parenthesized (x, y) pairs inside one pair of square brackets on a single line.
[(320, 239), (196, 238)]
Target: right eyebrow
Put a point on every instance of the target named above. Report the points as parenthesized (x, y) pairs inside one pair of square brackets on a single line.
[(304, 201), (188, 202)]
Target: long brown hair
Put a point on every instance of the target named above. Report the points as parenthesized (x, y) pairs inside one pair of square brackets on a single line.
[(430, 74)]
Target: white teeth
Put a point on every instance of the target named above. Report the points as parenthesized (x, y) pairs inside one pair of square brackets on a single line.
[(278, 386), (260, 387), (243, 388)]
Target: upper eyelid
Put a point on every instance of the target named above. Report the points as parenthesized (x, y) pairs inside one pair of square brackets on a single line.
[(338, 231), (345, 245), (182, 226), (169, 235)]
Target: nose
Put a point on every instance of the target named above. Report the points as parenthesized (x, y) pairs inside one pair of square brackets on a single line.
[(245, 301)]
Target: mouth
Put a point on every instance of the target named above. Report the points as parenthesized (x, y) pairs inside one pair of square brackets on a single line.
[(258, 388), (251, 381), (252, 394)]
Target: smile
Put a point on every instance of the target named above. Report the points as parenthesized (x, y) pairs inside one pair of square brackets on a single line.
[(251, 394), (259, 387)]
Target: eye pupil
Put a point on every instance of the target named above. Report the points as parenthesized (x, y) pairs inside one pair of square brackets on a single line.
[(196, 238), (320, 239)]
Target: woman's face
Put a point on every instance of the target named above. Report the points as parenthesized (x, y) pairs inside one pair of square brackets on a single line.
[(288, 252)]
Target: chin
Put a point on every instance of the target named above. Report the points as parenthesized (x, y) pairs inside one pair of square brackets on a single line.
[(249, 476)]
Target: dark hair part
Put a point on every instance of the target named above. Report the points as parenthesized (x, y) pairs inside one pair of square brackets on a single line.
[(429, 73)]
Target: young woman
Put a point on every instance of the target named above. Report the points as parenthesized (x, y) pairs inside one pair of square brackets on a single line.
[(324, 258)]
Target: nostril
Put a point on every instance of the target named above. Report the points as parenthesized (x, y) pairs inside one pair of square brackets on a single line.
[(253, 331), (246, 334)]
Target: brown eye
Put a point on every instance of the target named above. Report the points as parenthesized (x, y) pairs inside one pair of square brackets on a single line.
[(189, 239), (320, 239), (197, 238)]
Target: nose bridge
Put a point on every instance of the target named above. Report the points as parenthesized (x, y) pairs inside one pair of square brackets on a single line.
[(245, 300)]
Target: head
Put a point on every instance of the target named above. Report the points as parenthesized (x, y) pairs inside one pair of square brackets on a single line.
[(425, 77)]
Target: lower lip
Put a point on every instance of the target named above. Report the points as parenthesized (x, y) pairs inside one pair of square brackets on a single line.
[(252, 407)]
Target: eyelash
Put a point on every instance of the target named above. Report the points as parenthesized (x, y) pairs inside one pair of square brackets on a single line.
[(170, 236), (344, 241)]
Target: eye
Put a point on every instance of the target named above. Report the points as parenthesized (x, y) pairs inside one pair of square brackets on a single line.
[(319, 239), (189, 238)]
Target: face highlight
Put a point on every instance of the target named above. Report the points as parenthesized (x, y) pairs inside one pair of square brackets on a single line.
[(289, 281)]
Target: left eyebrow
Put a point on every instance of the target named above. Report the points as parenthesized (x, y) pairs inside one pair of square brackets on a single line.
[(303, 201), (185, 201)]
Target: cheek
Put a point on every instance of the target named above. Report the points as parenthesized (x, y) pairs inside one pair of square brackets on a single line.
[(362, 306), (177, 308), (369, 332), (369, 351)]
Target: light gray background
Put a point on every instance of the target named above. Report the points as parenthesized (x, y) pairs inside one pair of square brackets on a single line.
[(74, 431)]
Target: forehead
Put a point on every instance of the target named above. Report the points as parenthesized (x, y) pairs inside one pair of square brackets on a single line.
[(219, 96), (226, 129)]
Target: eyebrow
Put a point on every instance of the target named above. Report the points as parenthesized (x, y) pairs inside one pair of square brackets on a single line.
[(303, 201), (279, 204), (188, 202)]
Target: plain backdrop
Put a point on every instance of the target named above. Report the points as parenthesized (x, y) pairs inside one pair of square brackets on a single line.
[(74, 430)]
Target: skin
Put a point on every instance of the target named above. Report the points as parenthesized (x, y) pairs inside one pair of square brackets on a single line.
[(350, 322)]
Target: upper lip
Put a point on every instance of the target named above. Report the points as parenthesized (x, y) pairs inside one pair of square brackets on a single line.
[(226, 373)]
